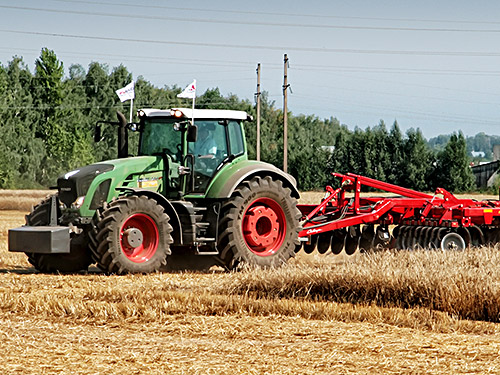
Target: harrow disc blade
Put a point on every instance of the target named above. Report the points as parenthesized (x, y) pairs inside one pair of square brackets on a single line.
[(465, 234), (338, 239), (367, 238), (417, 238), (433, 239), (324, 241), (492, 235), (398, 235), (426, 236), (298, 247), (410, 238), (309, 247), (352, 240), (403, 234), (477, 236), (437, 235)]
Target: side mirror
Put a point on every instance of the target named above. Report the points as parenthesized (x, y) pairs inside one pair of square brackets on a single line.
[(97, 134), (192, 133), (133, 127)]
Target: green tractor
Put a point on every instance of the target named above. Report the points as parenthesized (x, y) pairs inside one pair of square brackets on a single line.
[(189, 200)]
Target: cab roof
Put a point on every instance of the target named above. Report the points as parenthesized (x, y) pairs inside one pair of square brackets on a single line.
[(219, 114)]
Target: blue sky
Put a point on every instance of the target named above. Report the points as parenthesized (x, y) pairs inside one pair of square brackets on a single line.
[(434, 65)]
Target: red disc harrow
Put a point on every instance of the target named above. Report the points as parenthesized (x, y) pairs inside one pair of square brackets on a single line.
[(407, 220)]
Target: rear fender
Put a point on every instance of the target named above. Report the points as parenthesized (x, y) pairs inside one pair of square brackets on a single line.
[(226, 182)]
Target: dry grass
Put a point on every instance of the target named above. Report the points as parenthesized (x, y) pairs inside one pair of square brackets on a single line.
[(284, 321), (463, 284), (187, 344), (21, 200)]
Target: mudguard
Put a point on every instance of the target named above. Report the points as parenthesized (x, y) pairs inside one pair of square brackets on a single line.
[(230, 177)]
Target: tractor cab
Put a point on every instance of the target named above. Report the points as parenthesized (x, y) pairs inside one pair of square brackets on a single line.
[(192, 152)]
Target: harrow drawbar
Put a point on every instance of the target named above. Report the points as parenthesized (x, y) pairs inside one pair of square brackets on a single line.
[(407, 220)]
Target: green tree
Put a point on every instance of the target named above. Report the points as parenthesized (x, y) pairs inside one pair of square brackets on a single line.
[(102, 103), (452, 167), (308, 159), (394, 145), (81, 151), (417, 166), (21, 153), (52, 129)]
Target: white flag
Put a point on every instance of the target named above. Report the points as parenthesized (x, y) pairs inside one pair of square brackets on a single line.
[(126, 93), (189, 92)]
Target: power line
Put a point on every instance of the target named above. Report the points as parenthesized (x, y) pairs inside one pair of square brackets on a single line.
[(386, 70), (403, 112), (260, 13), (243, 65), (253, 22), (260, 47), (325, 68), (400, 83), (399, 95)]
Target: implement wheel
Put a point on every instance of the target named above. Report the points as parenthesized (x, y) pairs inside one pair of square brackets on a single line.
[(131, 235), (259, 225), (76, 260), (452, 241)]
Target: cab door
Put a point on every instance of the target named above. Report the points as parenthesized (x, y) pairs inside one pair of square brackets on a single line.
[(208, 152)]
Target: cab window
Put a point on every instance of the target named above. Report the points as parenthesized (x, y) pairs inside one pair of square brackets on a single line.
[(158, 137), (235, 138)]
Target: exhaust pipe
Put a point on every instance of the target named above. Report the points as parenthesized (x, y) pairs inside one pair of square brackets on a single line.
[(122, 135)]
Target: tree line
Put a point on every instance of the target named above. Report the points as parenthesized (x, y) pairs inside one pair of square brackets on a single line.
[(48, 119)]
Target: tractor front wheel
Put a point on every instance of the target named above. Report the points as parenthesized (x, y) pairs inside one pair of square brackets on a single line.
[(131, 234), (259, 225)]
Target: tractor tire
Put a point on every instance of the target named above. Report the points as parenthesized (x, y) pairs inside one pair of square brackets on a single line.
[(131, 234), (259, 225), (77, 259)]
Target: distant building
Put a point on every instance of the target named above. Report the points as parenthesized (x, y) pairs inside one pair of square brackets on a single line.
[(485, 173), (479, 154)]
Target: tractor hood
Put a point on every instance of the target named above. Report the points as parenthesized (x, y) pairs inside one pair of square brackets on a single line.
[(99, 179)]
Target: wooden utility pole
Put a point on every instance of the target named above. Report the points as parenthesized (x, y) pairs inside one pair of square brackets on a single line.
[(285, 116), (257, 98)]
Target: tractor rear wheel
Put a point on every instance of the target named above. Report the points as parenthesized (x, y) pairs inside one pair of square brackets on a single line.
[(131, 234), (259, 225), (76, 260)]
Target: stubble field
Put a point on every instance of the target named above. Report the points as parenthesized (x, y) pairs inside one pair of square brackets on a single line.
[(406, 312)]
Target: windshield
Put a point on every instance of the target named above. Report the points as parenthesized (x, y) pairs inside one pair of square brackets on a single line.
[(158, 136)]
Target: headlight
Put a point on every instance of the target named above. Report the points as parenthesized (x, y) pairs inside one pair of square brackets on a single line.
[(78, 203), (176, 113)]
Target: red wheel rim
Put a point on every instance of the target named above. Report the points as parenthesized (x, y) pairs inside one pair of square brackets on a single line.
[(264, 227), (143, 227)]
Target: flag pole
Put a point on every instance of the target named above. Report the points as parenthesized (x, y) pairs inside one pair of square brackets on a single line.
[(192, 112), (189, 93), (131, 106)]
